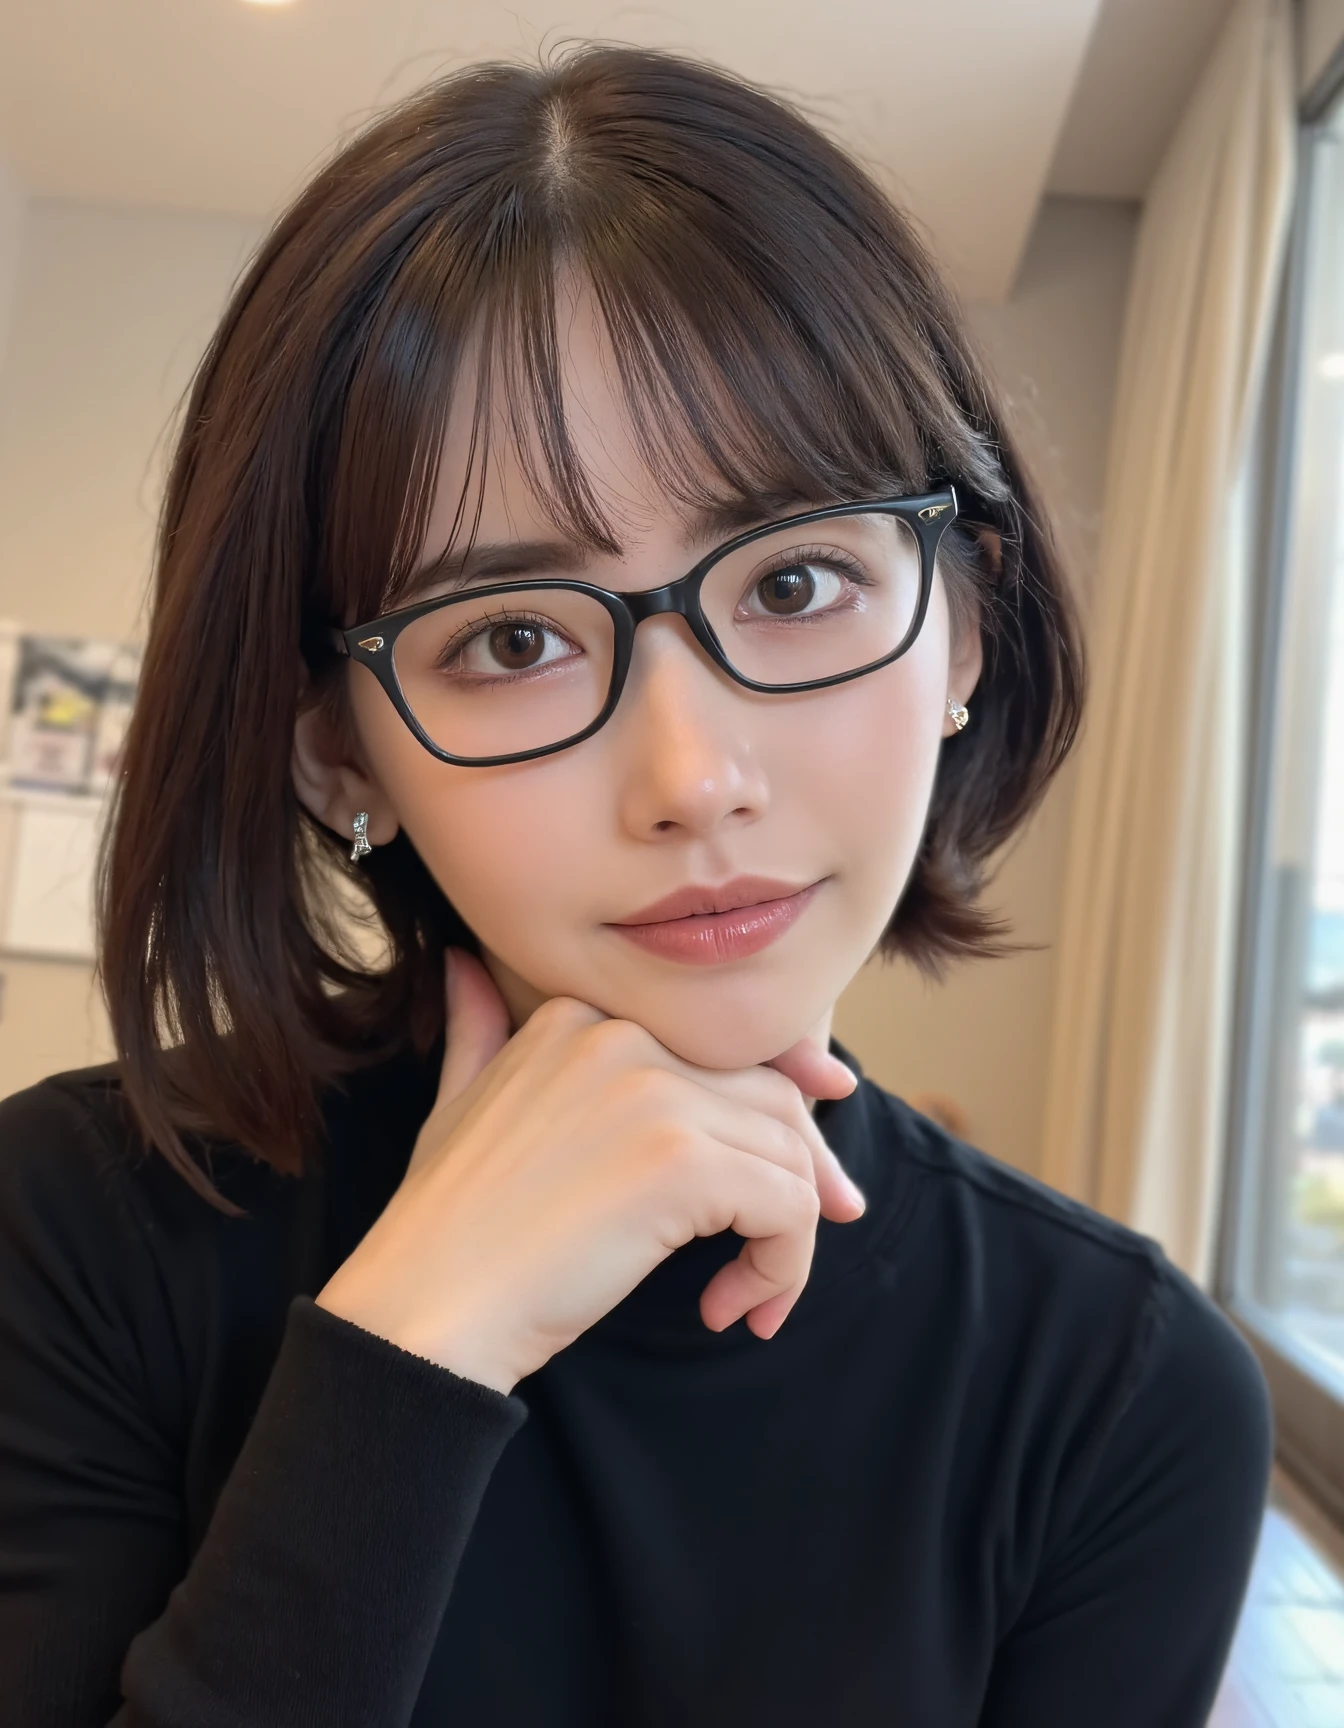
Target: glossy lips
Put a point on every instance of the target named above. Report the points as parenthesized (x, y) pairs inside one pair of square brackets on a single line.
[(709, 938)]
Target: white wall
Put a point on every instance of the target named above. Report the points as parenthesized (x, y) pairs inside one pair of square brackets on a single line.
[(114, 306)]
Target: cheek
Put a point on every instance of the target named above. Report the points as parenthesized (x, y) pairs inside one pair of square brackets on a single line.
[(870, 766), (500, 842)]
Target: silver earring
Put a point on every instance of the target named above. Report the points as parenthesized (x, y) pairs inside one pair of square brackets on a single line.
[(960, 715), (361, 847)]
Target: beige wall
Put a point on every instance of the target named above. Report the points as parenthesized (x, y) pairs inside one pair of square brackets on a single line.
[(13, 225), (1322, 30), (106, 312), (980, 1038), (111, 310)]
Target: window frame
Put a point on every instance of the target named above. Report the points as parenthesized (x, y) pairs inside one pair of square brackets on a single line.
[(1308, 1398)]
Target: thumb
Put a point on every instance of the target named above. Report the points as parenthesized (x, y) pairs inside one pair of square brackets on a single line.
[(814, 1071), (478, 1023)]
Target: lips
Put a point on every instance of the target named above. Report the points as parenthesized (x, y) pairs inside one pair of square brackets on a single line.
[(697, 900), (715, 938)]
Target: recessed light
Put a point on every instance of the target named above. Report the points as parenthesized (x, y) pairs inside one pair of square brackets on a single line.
[(267, 2), (1332, 366)]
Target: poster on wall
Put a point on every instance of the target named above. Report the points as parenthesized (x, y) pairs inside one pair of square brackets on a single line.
[(67, 701), (69, 708)]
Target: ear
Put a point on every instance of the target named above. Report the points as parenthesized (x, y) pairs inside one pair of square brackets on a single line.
[(330, 777), (967, 658), (963, 673)]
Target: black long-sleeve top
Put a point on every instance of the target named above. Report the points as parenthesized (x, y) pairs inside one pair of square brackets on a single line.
[(1002, 1465)]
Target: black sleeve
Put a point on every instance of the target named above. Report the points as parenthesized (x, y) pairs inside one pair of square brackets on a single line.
[(1131, 1617), (317, 1591)]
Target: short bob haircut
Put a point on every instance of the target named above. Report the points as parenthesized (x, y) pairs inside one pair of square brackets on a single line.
[(780, 331)]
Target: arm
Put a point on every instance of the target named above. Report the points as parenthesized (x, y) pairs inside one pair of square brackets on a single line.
[(1131, 1617), (317, 1591)]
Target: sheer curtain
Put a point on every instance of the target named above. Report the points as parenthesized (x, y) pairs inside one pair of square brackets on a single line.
[(1135, 1100)]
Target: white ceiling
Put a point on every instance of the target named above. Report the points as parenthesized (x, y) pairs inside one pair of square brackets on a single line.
[(967, 109)]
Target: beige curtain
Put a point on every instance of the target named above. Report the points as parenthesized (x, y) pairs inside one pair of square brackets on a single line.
[(1136, 1096)]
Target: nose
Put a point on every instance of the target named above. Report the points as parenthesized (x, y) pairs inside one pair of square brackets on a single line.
[(686, 737)]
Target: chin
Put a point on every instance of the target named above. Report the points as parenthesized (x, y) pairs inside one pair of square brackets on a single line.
[(724, 1017), (738, 1029)]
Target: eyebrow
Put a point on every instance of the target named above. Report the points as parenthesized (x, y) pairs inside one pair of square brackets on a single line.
[(495, 561)]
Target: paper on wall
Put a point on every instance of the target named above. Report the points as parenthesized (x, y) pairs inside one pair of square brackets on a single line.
[(51, 880)]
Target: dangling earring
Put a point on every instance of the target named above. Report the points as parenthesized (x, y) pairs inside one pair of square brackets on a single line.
[(361, 847), (960, 715)]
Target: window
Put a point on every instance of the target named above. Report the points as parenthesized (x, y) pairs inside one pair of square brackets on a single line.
[(1282, 1268)]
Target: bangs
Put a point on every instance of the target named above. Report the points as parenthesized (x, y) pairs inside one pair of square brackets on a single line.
[(755, 366)]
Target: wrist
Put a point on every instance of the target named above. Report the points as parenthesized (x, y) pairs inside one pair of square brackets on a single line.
[(460, 1352)]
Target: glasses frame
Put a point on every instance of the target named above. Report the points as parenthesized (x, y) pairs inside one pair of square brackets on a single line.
[(929, 515)]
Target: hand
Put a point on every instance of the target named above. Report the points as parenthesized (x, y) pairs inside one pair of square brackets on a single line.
[(562, 1163)]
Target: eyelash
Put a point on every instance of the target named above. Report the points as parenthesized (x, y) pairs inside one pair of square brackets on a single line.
[(829, 555), (456, 644)]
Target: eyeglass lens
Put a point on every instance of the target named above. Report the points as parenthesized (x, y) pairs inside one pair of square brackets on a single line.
[(514, 671)]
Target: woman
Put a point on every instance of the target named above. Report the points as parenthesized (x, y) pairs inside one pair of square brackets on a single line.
[(592, 532)]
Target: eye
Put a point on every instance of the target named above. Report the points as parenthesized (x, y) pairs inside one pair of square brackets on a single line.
[(504, 644), (790, 588)]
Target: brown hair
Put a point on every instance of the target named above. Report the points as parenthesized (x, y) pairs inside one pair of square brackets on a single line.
[(738, 258)]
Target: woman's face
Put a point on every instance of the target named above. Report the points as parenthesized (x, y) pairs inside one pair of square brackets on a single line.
[(693, 780)]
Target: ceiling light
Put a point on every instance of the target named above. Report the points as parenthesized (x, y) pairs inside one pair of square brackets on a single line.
[(1332, 366)]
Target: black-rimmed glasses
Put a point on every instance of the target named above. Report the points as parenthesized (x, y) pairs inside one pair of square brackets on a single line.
[(503, 671)]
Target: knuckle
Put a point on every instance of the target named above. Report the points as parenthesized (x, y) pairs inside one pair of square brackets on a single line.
[(643, 1093), (560, 1013), (611, 1039), (671, 1154), (679, 1147)]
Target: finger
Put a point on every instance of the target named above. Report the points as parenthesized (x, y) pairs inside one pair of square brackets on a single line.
[(744, 1289), (842, 1201), (776, 1210), (818, 1074), (815, 1072), (766, 1318)]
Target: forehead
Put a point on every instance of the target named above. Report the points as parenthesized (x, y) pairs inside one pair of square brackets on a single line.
[(496, 473), (495, 463)]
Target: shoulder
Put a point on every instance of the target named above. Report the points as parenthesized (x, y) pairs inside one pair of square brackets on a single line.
[(71, 1143), (77, 1128), (1124, 1406), (64, 1144), (1015, 1227), (1082, 1300), (1020, 1236), (983, 1190), (83, 1307), (85, 1202)]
